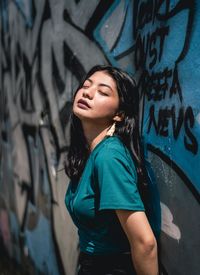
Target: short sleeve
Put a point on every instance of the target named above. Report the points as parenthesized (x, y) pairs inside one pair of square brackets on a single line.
[(117, 181)]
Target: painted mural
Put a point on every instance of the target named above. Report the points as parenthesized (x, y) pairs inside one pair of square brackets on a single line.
[(46, 47)]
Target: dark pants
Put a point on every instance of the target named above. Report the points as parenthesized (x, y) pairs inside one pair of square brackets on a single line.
[(118, 264)]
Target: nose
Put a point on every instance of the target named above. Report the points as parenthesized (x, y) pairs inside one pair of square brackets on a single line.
[(88, 92)]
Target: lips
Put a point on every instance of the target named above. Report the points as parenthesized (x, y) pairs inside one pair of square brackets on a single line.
[(83, 103)]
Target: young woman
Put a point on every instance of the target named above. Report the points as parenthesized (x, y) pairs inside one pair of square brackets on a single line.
[(105, 167)]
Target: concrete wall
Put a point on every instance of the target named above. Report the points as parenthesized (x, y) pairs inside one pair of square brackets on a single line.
[(46, 46)]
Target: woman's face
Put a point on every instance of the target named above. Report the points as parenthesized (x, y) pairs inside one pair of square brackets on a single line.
[(97, 100)]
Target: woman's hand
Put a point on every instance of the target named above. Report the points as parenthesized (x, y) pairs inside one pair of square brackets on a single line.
[(142, 241)]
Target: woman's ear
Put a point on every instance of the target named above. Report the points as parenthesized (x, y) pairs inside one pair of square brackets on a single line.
[(119, 116)]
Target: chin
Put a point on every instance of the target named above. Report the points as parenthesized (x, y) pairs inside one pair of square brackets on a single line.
[(79, 115)]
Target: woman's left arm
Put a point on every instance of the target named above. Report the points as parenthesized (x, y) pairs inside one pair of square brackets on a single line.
[(142, 241)]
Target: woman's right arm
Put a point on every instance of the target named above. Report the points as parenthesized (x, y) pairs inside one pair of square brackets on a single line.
[(142, 241)]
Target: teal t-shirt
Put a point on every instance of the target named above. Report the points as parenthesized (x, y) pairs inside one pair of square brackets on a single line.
[(108, 182)]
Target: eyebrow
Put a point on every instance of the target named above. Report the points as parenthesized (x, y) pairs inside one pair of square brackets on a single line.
[(100, 84)]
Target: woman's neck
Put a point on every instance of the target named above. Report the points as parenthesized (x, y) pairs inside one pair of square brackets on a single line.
[(94, 134)]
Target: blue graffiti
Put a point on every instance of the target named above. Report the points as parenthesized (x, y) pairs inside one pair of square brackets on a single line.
[(122, 44), (4, 14), (25, 8), (163, 35)]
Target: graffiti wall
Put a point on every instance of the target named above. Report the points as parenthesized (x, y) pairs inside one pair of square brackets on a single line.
[(46, 47), (166, 38)]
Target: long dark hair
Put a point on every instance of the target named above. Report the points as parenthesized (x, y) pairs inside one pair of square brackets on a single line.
[(127, 129)]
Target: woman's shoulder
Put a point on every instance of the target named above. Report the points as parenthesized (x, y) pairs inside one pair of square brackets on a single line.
[(113, 147), (114, 155), (113, 143)]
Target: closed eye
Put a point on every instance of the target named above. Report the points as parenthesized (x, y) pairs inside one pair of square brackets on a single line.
[(85, 86), (103, 93)]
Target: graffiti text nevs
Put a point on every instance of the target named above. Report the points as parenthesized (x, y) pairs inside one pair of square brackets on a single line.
[(184, 120)]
